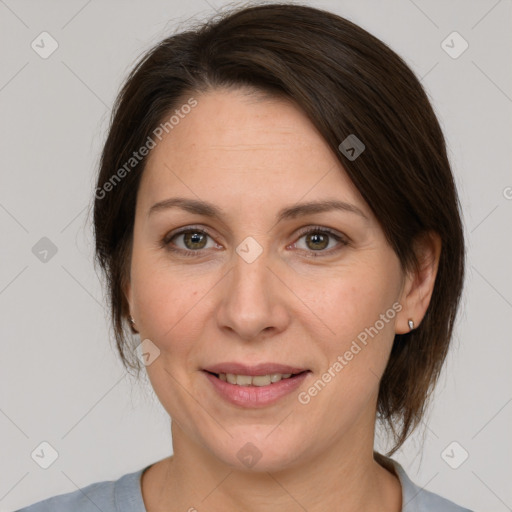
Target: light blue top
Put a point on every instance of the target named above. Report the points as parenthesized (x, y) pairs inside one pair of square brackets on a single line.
[(125, 495)]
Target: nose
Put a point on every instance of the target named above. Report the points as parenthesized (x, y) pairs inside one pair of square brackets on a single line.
[(253, 303)]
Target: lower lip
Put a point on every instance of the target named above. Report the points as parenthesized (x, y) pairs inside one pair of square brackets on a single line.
[(256, 396)]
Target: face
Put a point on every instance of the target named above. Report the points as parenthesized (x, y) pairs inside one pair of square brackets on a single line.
[(258, 286)]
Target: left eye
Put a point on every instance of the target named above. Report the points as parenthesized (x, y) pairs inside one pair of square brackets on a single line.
[(317, 240)]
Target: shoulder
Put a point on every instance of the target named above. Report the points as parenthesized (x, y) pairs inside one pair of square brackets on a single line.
[(119, 495), (417, 499)]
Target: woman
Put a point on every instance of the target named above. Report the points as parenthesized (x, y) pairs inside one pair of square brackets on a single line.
[(278, 225)]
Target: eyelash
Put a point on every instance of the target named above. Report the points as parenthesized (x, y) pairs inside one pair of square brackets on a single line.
[(166, 242)]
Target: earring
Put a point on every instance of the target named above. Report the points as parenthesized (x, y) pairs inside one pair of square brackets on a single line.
[(132, 321), (411, 324)]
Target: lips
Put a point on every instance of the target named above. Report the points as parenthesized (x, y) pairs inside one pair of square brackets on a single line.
[(254, 370), (254, 386)]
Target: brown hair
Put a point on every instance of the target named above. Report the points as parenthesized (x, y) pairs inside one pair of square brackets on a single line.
[(347, 82)]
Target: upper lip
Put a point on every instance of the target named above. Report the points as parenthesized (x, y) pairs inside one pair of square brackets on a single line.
[(253, 370)]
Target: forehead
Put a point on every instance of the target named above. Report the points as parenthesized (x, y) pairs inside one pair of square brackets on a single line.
[(239, 123), (236, 140)]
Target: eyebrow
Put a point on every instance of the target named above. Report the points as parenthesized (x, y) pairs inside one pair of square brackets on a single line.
[(207, 209)]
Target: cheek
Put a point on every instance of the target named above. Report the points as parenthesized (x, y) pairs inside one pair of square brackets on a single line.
[(360, 307), (166, 299), (352, 300), (168, 303)]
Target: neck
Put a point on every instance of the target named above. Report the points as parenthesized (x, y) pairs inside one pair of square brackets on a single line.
[(346, 478)]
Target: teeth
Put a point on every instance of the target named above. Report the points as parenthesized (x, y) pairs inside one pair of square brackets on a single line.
[(243, 380), (259, 380)]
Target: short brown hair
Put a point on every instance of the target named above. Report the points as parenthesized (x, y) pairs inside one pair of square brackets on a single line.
[(347, 82)]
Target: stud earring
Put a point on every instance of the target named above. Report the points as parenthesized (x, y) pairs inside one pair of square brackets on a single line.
[(411, 324)]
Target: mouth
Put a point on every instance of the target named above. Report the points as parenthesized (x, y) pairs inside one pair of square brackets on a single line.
[(255, 380), (254, 386)]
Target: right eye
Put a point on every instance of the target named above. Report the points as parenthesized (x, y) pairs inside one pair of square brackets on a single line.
[(193, 239)]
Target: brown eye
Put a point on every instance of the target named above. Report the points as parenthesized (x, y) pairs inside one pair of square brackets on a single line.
[(317, 240), (194, 240), (189, 241)]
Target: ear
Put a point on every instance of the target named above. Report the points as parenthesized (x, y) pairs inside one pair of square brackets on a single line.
[(419, 283)]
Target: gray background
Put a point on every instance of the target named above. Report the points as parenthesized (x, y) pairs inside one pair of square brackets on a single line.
[(61, 381)]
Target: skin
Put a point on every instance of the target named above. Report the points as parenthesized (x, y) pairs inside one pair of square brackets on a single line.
[(251, 156)]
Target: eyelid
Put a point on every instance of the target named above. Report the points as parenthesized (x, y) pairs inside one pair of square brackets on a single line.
[(342, 240), (324, 229), (169, 236), (166, 244)]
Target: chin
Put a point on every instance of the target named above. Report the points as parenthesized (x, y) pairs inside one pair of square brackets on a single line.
[(260, 451)]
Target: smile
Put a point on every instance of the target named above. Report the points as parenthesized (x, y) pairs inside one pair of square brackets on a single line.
[(264, 387), (258, 380)]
